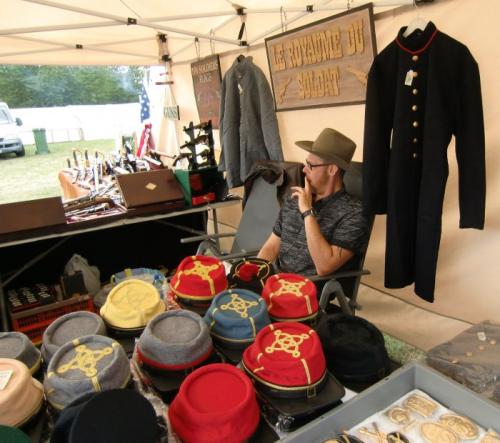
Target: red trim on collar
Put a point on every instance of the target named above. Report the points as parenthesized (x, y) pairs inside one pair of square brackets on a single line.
[(418, 51)]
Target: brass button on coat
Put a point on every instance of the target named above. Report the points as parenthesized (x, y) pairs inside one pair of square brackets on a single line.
[(414, 155), (414, 107), (415, 58), (415, 124), (415, 91), (415, 140)]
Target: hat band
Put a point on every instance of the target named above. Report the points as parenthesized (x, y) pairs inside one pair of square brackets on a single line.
[(281, 387), (192, 297), (294, 319), (166, 367)]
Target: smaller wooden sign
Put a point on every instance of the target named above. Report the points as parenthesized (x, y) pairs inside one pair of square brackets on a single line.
[(207, 80), (171, 112)]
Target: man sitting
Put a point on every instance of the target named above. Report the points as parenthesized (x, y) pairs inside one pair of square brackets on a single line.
[(320, 227)]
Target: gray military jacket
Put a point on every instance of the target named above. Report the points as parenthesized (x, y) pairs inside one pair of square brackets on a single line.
[(248, 124)]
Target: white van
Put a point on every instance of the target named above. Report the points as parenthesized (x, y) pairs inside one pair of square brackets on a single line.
[(9, 132)]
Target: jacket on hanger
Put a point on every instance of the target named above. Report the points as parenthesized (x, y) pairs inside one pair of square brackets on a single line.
[(248, 124), (421, 90)]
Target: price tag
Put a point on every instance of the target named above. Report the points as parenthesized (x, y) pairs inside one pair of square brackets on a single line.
[(409, 78), (4, 378)]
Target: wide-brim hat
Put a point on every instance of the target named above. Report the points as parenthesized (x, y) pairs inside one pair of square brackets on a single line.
[(286, 357), (67, 328), (332, 146), (86, 364), (18, 346), (290, 297), (216, 403), (22, 396), (354, 348), (131, 304)]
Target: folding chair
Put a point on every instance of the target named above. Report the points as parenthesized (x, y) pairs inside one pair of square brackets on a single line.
[(257, 221)]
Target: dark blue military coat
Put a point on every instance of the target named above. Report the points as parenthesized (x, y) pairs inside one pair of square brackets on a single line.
[(421, 90)]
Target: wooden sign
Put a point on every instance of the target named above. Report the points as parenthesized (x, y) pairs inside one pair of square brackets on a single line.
[(206, 82), (325, 63), (171, 112)]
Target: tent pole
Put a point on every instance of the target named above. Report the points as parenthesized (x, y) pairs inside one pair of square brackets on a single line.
[(219, 26), (134, 21)]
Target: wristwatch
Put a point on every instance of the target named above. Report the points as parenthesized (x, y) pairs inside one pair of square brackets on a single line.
[(308, 212)]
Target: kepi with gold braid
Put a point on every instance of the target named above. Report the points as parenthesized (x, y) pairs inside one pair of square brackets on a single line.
[(290, 297), (131, 304), (88, 364), (286, 357), (235, 317), (198, 280), (250, 273)]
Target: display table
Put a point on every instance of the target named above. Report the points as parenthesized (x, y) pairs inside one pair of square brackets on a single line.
[(148, 235)]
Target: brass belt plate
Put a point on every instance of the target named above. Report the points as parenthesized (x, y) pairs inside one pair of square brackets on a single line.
[(437, 433), (461, 426)]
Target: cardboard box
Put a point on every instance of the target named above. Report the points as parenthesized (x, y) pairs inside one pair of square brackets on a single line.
[(381, 395)]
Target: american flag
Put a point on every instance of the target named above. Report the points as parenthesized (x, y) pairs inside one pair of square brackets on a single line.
[(144, 102)]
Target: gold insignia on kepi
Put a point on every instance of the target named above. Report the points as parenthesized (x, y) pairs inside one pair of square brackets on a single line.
[(421, 405), (85, 360), (238, 305), (436, 433), (399, 415), (290, 287), (201, 270), (462, 426), (288, 343)]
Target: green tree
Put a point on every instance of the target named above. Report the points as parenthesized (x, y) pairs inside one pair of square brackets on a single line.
[(43, 86)]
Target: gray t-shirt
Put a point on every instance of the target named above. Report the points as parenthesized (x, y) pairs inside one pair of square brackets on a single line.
[(341, 221)]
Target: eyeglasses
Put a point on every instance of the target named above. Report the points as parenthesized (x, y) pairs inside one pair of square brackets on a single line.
[(312, 166)]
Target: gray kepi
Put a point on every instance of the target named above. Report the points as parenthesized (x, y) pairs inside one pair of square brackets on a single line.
[(332, 146), (18, 346), (171, 346), (87, 364), (67, 328)]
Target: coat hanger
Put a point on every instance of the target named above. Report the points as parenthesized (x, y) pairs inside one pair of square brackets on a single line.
[(417, 23)]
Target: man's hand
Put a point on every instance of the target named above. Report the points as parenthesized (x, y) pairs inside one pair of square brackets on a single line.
[(303, 195)]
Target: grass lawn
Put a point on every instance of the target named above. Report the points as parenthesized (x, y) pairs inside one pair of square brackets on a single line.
[(35, 176)]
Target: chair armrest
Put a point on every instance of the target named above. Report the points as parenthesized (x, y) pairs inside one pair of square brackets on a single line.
[(337, 275), (205, 237), (241, 254)]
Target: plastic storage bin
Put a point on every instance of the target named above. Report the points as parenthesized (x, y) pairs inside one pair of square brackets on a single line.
[(379, 396)]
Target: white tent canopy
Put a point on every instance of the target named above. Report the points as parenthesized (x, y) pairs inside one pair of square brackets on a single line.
[(124, 32)]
